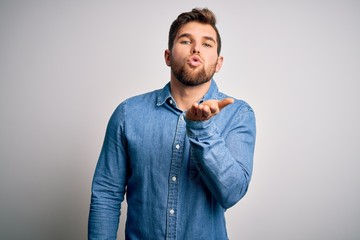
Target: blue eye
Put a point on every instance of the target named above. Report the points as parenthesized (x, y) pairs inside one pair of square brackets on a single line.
[(187, 42)]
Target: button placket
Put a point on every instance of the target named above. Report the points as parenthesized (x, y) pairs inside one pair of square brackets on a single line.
[(175, 166)]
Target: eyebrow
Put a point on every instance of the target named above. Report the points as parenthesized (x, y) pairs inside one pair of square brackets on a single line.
[(190, 36)]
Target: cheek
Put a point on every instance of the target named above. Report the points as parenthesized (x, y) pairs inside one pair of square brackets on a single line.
[(179, 59), (213, 60), (211, 56), (179, 49)]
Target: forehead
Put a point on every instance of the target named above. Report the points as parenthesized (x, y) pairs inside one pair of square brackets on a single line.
[(197, 29)]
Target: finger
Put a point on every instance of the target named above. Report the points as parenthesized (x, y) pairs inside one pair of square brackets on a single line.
[(194, 108), (198, 110), (226, 101), (214, 107), (206, 111)]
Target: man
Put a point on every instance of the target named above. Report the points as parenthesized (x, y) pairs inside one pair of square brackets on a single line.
[(182, 154)]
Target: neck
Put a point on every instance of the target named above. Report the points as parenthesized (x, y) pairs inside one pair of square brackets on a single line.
[(185, 96)]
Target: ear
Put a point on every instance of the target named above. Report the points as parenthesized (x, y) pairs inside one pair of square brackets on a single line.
[(167, 56), (219, 63)]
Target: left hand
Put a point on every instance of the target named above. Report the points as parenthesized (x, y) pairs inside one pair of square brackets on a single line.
[(207, 109)]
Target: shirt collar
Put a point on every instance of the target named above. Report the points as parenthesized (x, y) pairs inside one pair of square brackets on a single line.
[(165, 94), (212, 93)]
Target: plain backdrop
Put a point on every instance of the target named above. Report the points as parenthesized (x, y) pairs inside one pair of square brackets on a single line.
[(66, 65)]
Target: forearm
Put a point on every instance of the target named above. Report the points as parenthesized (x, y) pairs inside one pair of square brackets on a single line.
[(226, 178), (106, 198), (224, 161), (108, 186), (103, 220)]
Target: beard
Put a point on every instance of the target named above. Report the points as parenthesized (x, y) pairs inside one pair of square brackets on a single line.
[(191, 76)]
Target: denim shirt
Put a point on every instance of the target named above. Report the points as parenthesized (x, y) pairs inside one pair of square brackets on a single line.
[(179, 176)]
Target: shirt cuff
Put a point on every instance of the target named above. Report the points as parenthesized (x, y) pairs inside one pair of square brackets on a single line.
[(200, 129)]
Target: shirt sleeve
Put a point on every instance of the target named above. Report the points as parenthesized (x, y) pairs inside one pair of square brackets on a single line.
[(225, 160), (109, 182)]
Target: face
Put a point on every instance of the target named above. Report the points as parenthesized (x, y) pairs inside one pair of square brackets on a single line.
[(194, 59)]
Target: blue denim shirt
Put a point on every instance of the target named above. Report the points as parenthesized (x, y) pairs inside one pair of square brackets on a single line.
[(179, 176)]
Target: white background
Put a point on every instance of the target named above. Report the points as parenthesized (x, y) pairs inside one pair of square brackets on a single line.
[(66, 65)]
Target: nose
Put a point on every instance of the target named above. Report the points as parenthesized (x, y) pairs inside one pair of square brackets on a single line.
[(195, 49)]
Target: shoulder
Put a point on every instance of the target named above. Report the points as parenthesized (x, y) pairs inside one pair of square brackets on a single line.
[(239, 115), (135, 107), (131, 109), (144, 100), (239, 106)]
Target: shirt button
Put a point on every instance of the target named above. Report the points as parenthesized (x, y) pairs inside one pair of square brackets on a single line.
[(173, 179), (177, 146), (171, 101), (172, 211)]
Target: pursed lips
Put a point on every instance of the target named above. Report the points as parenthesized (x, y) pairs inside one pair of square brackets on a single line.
[(194, 61)]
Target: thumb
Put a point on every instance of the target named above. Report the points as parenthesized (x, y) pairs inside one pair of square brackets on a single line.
[(226, 101)]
